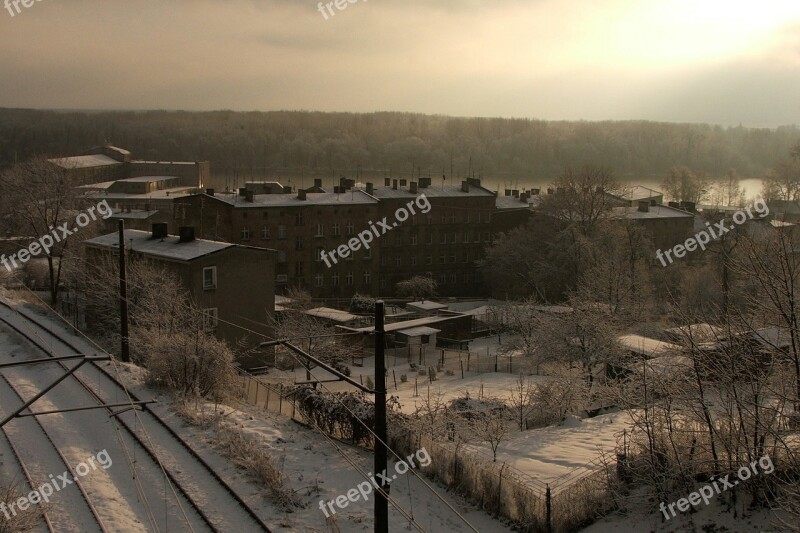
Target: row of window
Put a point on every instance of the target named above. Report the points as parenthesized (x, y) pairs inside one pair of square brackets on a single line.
[(444, 237)]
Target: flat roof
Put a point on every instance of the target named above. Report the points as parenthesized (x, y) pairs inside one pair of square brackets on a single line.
[(647, 346), (329, 313), (291, 200), (85, 161), (168, 248), (406, 324), (654, 211), (419, 331), (511, 202), (427, 305), (434, 191), (143, 179), (173, 192), (133, 214)]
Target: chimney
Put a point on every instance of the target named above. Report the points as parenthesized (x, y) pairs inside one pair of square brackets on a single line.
[(523, 197), (535, 192), (402, 183), (676, 205), (317, 182), (186, 234), (242, 191), (159, 230), (413, 187), (337, 189), (508, 192), (249, 195), (386, 182), (301, 195), (653, 202), (287, 189), (464, 186), (644, 207), (515, 193), (394, 184), (210, 192), (424, 183), (689, 206), (370, 188)]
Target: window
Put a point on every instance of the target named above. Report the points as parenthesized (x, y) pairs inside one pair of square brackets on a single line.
[(209, 278), (350, 229), (413, 240), (319, 280), (383, 282), (453, 277), (430, 238), (398, 261), (349, 279), (413, 260), (466, 257), (335, 280), (298, 269), (368, 253), (281, 256), (210, 319), (466, 277), (319, 253), (453, 239), (298, 243), (265, 233), (319, 231), (486, 236), (246, 233), (453, 257), (453, 218), (443, 238), (466, 217), (367, 277), (398, 239), (428, 260), (442, 258), (477, 236), (335, 229), (444, 219), (298, 218), (281, 278), (281, 231), (466, 236), (479, 217)]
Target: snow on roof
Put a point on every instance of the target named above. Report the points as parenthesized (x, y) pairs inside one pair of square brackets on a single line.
[(434, 191), (419, 331), (407, 324), (169, 248), (280, 299), (669, 364), (697, 332), (84, 161), (336, 315), (173, 192), (147, 179), (511, 202), (291, 200), (133, 214), (647, 346), (653, 211), (427, 305)]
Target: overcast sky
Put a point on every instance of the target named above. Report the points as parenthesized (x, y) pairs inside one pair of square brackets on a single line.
[(725, 62)]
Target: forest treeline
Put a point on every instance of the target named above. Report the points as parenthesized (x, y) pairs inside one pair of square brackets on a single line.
[(346, 143)]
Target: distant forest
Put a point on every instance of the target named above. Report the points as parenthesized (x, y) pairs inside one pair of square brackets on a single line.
[(333, 144)]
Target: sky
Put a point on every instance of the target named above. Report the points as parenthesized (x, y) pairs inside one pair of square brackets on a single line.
[(725, 62)]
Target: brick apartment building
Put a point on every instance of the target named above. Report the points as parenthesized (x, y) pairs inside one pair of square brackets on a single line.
[(445, 243), (230, 283)]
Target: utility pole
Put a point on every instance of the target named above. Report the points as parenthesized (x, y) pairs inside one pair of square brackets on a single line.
[(381, 500), (125, 354)]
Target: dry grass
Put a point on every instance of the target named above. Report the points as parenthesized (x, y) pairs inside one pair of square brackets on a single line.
[(24, 520), (246, 453)]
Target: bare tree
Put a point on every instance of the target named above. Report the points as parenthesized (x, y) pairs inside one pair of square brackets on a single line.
[(684, 184), (38, 198), (520, 400)]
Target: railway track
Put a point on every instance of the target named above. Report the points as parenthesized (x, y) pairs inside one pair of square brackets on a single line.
[(75, 478), (152, 416), (28, 478)]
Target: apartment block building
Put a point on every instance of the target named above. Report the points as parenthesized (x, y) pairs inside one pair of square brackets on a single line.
[(231, 284), (444, 243)]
